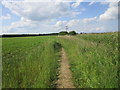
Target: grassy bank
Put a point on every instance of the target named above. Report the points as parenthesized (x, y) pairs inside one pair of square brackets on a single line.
[(29, 62), (93, 59), (32, 62)]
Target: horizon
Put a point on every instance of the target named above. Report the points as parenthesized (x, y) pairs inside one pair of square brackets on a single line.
[(55, 33)]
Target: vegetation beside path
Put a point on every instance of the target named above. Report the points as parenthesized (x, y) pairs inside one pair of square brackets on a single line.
[(29, 62), (32, 62), (93, 59)]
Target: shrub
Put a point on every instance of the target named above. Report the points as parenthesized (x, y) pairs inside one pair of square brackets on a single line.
[(63, 33), (57, 46), (72, 33)]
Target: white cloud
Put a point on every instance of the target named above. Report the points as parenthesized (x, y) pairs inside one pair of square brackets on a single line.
[(111, 13), (43, 16), (37, 16), (8, 16), (31, 0), (86, 20), (88, 25), (73, 23), (70, 23), (60, 23), (83, 9), (77, 3), (100, 28), (91, 3), (38, 11), (29, 26), (18, 24), (77, 25), (104, 3)]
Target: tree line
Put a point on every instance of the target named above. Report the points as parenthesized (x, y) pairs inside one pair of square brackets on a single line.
[(67, 33), (49, 34)]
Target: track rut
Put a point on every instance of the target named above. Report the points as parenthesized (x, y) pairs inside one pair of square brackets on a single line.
[(65, 76)]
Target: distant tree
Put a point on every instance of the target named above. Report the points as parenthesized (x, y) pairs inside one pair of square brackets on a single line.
[(72, 33), (63, 33)]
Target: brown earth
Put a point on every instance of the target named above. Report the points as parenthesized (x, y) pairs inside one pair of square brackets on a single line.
[(65, 77)]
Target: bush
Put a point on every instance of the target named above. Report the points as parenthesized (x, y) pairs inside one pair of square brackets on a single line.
[(57, 46), (63, 33), (72, 33)]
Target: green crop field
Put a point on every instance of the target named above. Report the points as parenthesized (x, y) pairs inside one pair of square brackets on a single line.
[(29, 62), (32, 62), (93, 59)]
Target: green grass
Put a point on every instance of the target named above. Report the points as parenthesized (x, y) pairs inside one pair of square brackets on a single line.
[(0, 63), (32, 62), (93, 59), (29, 62)]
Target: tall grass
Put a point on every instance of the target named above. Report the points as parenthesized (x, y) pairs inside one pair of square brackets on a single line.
[(29, 62), (93, 59), (32, 62), (0, 63)]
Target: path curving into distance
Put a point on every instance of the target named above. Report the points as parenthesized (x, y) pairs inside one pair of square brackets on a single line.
[(65, 76)]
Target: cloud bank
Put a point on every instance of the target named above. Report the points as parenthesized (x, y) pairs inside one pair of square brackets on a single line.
[(46, 17)]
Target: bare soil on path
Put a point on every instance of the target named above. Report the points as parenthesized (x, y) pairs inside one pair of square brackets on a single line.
[(65, 77)]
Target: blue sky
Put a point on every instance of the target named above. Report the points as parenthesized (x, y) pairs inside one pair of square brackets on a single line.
[(47, 17)]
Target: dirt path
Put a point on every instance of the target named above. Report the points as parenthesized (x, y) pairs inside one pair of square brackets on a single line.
[(65, 76)]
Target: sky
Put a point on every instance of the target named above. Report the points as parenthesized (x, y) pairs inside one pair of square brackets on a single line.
[(27, 16)]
